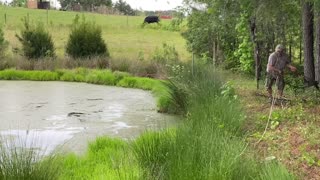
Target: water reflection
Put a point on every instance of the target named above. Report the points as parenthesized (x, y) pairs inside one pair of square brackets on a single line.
[(43, 140)]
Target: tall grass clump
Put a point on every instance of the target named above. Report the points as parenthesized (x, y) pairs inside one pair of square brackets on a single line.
[(36, 41), (85, 40), (152, 150), (171, 98), (210, 144), (27, 163), (106, 159)]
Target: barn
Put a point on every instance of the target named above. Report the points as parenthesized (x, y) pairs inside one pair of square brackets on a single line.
[(38, 4)]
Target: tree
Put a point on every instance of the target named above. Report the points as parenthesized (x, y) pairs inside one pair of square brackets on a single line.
[(18, 3), (260, 25), (123, 7), (87, 4), (308, 41), (317, 21), (85, 40), (36, 41)]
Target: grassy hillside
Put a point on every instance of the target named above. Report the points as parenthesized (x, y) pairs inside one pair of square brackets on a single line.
[(124, 36)]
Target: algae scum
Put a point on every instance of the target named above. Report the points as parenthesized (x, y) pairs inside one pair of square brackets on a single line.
[(47, 115)]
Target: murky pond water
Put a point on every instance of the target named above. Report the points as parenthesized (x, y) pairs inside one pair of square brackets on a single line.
[(45, 115)]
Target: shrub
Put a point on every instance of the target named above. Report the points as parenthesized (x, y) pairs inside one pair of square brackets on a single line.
[(85, 40), (36, 41), (167, 54), (3, 43)]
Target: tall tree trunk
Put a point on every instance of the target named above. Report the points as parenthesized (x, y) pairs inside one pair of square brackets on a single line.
[(290, 47), (317, 13), (309, 70), (256, 55), (300, 49)]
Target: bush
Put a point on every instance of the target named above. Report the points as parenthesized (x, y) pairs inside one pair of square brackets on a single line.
[(86, 40), (36, 41), (167, 54), (3, 43)]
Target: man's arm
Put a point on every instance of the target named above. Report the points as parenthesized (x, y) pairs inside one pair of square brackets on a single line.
[(272, 68), (292, 68)]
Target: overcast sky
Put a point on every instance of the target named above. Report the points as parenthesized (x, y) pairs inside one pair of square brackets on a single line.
[(154, 4), (143, 4)]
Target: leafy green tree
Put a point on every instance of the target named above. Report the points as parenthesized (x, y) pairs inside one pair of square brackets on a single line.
[(87, 4), (36, 41), (260, 26), (123, 7), (18, 3), (85, 40), (245, 48)]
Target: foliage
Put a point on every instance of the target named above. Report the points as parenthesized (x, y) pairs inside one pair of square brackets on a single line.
[(167, 54), (228, 91), (197, 34), (3, 43), (174, 25), (36, 41), (18, 3), (85, 40), (245, 49), (294, 83), (87, 4), (124, 8), (212, 27)]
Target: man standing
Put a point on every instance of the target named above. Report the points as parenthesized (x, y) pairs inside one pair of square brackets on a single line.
[(277, 63)]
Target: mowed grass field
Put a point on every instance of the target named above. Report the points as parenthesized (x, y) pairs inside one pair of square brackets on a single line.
[(124, 36)]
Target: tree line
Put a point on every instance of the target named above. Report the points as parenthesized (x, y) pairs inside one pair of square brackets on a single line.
[(241, 34), (87, 5)]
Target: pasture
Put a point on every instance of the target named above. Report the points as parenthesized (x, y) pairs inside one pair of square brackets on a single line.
[(125, 37)]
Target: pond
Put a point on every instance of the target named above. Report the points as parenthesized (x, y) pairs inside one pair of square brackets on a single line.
[(47, 115)]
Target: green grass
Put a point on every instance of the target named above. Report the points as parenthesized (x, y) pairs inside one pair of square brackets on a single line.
[(123, 40), (106, 159), (210, 144), (26, 163), (29, 75), (152, 150), (165, 102)]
